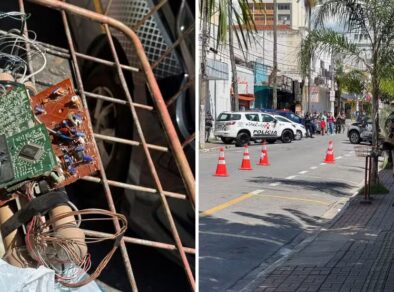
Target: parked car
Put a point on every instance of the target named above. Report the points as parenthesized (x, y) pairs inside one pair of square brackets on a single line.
[(300, 130), (243, 127), (291, 116), (360, 132)]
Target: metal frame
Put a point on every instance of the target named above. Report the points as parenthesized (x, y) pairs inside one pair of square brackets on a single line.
[(160, 106)]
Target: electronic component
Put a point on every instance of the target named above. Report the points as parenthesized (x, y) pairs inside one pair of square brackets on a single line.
[(31, 152), (72, 136)]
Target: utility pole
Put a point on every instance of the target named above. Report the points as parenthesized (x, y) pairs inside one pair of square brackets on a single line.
[(310, 63), (203, 80), (275, 61), (234, 82)]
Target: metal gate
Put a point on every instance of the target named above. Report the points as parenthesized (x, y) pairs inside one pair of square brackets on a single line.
[(109, 26)]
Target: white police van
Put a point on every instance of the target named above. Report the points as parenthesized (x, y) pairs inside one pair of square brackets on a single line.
[(243, 127)]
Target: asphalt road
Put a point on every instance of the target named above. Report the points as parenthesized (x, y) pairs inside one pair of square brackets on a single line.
[(252, 218)]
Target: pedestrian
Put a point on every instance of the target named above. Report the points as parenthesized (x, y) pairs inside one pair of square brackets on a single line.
[(308, 125), (343, 121), (338, 124), (208, 125), (330, 122), (322, 125)]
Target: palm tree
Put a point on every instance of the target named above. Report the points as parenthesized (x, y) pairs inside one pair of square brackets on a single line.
[(227, 12), (374, 20)]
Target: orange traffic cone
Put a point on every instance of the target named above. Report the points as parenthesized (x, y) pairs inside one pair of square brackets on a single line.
[(330, 153), (246, 160), (221, 169), (264, 156)]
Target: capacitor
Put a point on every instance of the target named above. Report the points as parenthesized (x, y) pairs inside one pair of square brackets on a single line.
[(81, 140), (79, 148), (76, 101), (80, 134), (72, 170), (87, 158)]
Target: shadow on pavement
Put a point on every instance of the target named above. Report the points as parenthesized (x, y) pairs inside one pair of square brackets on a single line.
[(229, 251), (333, 188)]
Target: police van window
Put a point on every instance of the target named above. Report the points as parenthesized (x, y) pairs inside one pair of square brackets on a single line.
[(229, 117), (252, 117), (281, 119), (267, 118)]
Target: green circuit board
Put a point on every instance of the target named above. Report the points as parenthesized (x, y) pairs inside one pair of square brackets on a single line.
[(25, 146), (16, 113)]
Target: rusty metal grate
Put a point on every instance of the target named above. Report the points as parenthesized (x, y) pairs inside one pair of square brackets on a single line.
[(111, 25)]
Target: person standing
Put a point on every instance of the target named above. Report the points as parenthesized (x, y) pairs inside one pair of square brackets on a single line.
[(331, 121), (308, 125), (322, 125), (338, 124), (208, 125)]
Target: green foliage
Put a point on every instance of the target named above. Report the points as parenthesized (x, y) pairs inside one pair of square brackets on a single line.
[(387, 85), (376, 189), (352, 82), (242, 14)]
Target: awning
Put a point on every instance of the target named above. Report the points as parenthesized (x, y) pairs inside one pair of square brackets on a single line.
[(246, 97)]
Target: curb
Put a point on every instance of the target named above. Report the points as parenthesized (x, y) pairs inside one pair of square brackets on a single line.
[(216, 148), (254, 278)]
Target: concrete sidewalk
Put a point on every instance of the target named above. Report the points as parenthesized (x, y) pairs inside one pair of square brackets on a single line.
[(353, 253)]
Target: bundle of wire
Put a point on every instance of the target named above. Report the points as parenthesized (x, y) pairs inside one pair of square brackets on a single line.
[(17, 51), (68, 256)]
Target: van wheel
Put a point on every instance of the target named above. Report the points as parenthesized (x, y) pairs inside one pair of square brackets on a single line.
[(287, 136), (227, 140), (242, 139), (354, 137)]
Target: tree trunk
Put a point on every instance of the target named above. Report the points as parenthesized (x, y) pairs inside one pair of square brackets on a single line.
[(234, 79), (275, 61), (203, 79), (375, 117), (375, 123)]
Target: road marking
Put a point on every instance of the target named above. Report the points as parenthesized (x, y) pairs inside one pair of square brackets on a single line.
[(229, 203), (291, 177), (313, 167), (275, 184), (323, 163), (303, 172), (240, 236), (339, 157), (294, 199)]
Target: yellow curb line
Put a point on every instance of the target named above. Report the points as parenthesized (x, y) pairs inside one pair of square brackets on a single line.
[(228, 204)]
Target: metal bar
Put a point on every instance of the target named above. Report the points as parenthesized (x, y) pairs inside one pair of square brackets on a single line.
[(107, 190), (106, 62), (116, 100), (129, 142), (173, 46), (136, 26), (151, 165), (134, 187), (185, 87), (26, 34), (164, 115), (366, 179), (139, 241)]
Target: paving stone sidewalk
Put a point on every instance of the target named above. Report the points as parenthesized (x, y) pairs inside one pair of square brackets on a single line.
[(354, 253)]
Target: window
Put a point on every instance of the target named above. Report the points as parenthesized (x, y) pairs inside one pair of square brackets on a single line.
[(252, 117), (229, 117), (283, 6), (282, 119), (267, 118), (284, 19)]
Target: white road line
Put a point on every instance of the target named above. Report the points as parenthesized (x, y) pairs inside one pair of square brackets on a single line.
[(222, 234), (323, 163), (303, 172), (275, 184), (339, 157), (291, 177), (313, 167)]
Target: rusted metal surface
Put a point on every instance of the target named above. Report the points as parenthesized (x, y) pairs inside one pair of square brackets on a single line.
[(160, 107)]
